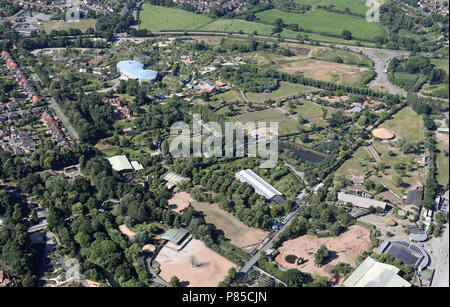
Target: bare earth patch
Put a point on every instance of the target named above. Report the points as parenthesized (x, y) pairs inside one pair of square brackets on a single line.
[(126, 231), (326, 71), (237, 232), (210, 268), (344, 248), (180, 201)]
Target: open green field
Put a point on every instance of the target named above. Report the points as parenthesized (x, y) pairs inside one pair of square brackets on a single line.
[(82, 25), (158, 18), (285, 124), (405, 78), (443, 163), (440, 63), (247, 27), (436, 90), (357, 165), (355, 6), (406, 124), (326, 71), (327, 22), (313, 112), (285, 90), (331, 55)]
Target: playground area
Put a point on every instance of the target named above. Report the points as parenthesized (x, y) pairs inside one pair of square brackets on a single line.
[(195, 265), (344, 248)]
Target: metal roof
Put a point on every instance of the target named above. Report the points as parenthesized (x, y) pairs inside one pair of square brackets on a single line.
[(256, 182), (414, 197), (175, 235), (134, 69), (371, 273), (362, 202), (120, 163)]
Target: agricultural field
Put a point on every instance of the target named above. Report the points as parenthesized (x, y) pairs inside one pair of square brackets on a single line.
[(158, 18), (327, 23), (327, 71), (286, 124), (82, 25)]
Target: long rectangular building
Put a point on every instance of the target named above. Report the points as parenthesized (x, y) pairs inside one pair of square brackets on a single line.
[(361, 202), (261, 187)]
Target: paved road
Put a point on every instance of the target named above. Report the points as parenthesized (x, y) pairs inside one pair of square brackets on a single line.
[(441, 251), (268, 245), (63, 118)]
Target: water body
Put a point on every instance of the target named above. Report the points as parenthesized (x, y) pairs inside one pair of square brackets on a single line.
[(305, 154)]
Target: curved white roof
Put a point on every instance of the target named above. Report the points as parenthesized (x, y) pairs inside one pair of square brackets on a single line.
[(136, 70)]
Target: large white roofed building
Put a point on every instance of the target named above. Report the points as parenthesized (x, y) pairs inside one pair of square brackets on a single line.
[(135, 70), (372, 273), (261, 187)]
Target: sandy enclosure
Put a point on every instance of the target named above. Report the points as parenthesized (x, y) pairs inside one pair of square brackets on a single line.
[(344, 248), (180, 201), (126, 231), (237, 232), (210, 267)]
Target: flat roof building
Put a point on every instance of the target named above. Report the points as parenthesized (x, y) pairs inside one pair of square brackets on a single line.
[(135, 70), (371, 273), (175, 236), (261, 187), (121, 163), (361, 202)]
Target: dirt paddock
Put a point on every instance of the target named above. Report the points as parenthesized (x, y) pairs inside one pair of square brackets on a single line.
[(180, 201), (210, 267), (344, 248)]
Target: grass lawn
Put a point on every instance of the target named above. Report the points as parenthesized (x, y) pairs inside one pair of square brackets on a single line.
[(357, 165), (326, 22), (285, 124), (227, 96), (312, 111), (436, 90), (83, 25), (157, 18), (406, 78), (285, 90), (406, 124), (440, 63), (442, 164), (355, 6), (330, 55)]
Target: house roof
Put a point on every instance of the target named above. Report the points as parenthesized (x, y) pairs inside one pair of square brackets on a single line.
[(414, 197)]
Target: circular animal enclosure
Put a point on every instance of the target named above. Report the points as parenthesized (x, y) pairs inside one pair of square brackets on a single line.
[(292, 259)]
